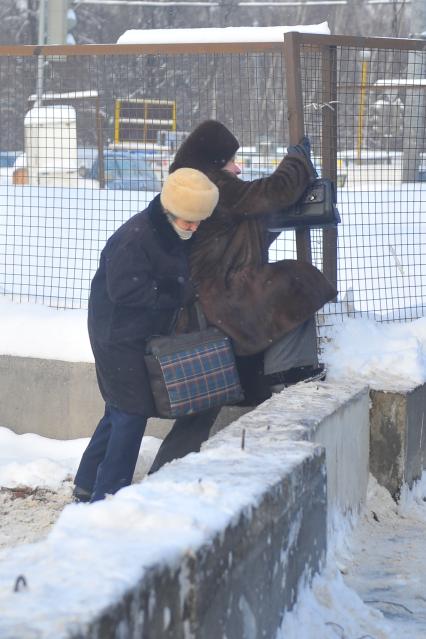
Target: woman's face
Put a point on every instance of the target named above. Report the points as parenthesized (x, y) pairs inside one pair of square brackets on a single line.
[(232, 167), (185, 225)]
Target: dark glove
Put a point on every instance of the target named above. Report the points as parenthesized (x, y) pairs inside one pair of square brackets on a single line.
[(306, 144), (169, 286), (303, 148)]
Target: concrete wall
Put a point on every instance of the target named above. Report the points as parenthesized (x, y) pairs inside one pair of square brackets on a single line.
[(345, 436), (49, 397), (398, 437), (241, 581), (336, 416), (238, 582), (61, 400)]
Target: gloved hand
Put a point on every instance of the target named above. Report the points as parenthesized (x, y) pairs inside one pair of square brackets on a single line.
[(306, 144), (182, 290), (169, 286), (303, 148)]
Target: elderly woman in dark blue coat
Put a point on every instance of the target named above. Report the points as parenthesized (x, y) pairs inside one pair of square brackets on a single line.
[(141, 283)]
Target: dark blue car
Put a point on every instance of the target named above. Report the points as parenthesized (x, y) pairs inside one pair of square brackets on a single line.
[(7, 158), (127, 170)]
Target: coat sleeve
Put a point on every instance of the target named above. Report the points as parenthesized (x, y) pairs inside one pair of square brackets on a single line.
[(265, 195), (131, 282)]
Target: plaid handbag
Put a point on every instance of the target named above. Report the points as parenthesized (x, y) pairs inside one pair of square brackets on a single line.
[(192, 372)]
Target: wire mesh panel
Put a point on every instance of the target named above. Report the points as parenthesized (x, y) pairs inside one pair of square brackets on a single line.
[(381, 248), (380, 120), (87, 138), (90, 138)]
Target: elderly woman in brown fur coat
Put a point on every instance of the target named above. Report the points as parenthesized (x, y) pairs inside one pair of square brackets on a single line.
[(267, 309)]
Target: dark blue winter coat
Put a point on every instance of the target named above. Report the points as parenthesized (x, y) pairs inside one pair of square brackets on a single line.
[(135, 293)]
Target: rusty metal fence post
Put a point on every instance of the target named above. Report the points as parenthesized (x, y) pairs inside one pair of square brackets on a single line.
[(329, 108), (296, 121)]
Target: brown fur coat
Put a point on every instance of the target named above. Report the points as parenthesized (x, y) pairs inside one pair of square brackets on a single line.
[(252, 301)]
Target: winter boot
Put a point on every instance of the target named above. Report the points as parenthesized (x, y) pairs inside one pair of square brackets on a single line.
[(283, 379), (81, 495)]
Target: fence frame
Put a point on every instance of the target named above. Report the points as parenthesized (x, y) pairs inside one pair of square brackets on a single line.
[(292, 46)]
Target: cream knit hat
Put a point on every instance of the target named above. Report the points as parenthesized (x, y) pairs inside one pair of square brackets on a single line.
[(189, 195)]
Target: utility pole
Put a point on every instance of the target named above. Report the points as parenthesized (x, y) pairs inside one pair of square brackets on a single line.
[(40, 42), (60, 20), (55, 21), (414, 114)]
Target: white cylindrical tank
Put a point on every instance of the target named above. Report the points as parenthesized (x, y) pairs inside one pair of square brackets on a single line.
[(51, 145)]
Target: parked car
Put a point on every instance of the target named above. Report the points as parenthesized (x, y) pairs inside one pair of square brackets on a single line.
[(127, 170), (7, 158)]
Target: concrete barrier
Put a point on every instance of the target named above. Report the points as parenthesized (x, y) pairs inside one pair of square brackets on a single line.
[(61, 400), (49, 397), (237, 581), (336, 416), (398, 437), (234, 578)]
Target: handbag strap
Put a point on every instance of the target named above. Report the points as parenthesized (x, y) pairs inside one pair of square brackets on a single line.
[(197, 314), (201, 318)]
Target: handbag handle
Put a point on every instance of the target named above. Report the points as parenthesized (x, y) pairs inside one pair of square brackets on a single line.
[(199, 315), (201, 318)]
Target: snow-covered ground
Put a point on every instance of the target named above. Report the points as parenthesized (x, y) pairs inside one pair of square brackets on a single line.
[(36, 476), (381, 267), (381, 560), (373, 586), (53, 237)]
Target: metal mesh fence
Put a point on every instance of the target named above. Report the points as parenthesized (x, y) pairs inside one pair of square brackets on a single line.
[(379, 109), (85, 141), (91, 146)]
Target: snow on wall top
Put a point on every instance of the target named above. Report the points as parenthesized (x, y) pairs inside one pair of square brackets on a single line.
[(226, 34), (81, 567)]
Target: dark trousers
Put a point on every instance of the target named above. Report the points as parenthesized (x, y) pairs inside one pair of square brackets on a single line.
[(186, 436), (298, 347), (109, 461)]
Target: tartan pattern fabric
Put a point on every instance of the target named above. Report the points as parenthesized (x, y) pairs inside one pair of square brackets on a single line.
[(200, 378), (192, 373)]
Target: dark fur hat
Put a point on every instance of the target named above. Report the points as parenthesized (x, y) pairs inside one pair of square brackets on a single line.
[(210, 145)]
